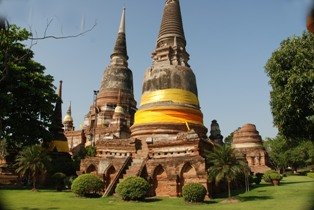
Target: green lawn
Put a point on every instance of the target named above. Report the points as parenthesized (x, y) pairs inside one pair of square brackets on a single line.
[(295, 193)]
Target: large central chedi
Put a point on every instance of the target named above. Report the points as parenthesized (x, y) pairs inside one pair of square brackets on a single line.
[(165, 140), (169, 102), (169, 122)]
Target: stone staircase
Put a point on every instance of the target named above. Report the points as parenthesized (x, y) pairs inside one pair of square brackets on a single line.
[(132, 167), (135, 167), (112, 186)]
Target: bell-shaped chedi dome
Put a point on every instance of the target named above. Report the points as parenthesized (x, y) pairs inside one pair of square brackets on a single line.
[(68, 120), (247, 141), (247, 137), (117, 83), (117, 76), (169, 102)]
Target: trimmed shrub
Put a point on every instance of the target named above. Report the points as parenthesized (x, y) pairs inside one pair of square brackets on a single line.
[(133, 188), (271, 175), (58, 180), (193, 192), (87, 185), (310, 174)]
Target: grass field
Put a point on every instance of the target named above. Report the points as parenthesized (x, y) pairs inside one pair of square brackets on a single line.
[(295, 193)]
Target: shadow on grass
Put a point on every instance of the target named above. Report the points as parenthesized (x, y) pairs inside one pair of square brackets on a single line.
[(153, 199), (255, 198), (210, 202), (288, 183), (50, 208)]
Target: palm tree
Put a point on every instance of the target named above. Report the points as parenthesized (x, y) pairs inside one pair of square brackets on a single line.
[(32, 162), (225, 165)]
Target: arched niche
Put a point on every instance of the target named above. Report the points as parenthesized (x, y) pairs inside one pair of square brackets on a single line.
[(109, 175), (159, 180), (91, 169), (187, 175)]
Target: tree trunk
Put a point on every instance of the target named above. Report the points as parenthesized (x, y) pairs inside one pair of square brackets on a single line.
[(34, 182), (229, 193), (247, 183)]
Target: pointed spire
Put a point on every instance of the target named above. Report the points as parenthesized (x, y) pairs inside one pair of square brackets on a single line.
[(57, 126), (171, 24), (69, 111), (60, 89), (68, 120), (58, 107), (171, 43), (120, 50), (122, 22)]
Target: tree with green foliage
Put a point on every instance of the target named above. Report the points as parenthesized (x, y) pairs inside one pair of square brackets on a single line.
[(27, 94), (302, 155), (228, 140), (282, 154), (224, 164), (90, 151), (32, 163), (278, 152), (291, 73)]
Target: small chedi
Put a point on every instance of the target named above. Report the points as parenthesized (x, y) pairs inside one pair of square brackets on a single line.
[(215, 133), (59, 143), (247, 141)]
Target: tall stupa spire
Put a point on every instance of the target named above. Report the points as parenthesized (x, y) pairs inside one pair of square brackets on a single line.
[(171, 41), (59, 141), (117, 82), (171, 24), (58, 109), (169, 100), (120, 55), (117, 75), (60, 89)]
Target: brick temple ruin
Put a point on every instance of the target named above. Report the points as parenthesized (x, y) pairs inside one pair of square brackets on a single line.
[(247, 141), (164, 140)]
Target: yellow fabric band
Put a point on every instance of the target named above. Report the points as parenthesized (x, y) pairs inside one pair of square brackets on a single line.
[(61, 146), (174, 95), (168, 115)]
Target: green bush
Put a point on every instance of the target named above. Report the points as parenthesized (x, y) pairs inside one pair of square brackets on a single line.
[(271, 175), (90, 151), (310, 174), (258, 178), (133, 188), (58, 180), (87, 185), (193, 192)]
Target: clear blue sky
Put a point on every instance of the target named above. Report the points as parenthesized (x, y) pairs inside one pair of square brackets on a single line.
[(229, 43)]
